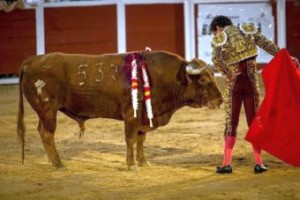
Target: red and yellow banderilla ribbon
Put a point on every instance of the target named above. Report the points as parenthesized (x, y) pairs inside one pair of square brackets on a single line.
[(134, 89)]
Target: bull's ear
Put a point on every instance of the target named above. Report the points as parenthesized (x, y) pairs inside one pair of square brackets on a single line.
[(181, 75)]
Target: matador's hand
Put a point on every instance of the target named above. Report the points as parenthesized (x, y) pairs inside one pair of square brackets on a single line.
[(296, 61)]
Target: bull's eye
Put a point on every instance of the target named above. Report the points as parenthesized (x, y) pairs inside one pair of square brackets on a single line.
[(202, 80)]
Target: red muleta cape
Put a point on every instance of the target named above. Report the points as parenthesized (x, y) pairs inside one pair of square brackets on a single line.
[(276, 126)]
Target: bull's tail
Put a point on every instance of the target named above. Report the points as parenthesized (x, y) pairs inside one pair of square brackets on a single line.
[(20, 124)]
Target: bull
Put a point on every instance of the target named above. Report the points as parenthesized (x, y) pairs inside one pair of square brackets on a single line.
[(99, 86)]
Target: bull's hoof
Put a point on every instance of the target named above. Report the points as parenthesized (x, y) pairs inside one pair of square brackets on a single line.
[(145, 164), (62, 169), (81, 133), (60, 166), (133, 168)]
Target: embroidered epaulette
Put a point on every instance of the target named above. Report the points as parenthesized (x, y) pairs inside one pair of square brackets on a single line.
[(248, 28), (219, 39)]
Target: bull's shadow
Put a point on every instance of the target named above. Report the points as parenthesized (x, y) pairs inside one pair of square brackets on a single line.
[(156, 155), (70, 148)]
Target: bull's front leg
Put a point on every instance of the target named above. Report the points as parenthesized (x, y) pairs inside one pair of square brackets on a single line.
[(131, 130), (140, 156)]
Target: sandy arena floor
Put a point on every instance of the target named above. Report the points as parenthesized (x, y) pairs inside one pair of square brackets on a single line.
[(183, 155)]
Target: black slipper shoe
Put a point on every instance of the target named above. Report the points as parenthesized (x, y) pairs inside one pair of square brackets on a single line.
[(258, 169), (224, 169)]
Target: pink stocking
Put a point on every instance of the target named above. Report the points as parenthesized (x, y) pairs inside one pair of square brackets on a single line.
[(228, 148), (257, 155)]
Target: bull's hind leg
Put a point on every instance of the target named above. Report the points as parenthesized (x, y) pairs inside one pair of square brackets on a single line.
[(140, 156), (46, 128)]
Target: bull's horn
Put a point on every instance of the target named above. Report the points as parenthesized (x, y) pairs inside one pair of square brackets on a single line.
[(190, 69)]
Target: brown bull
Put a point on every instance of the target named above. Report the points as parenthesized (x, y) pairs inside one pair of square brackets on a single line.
[(88, 86)]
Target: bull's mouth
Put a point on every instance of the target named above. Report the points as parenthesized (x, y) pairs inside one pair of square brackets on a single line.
[(194, 104), (214, 104)]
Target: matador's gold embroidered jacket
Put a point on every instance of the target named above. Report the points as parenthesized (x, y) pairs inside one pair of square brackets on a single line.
[(230, 47), (235, 44)]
